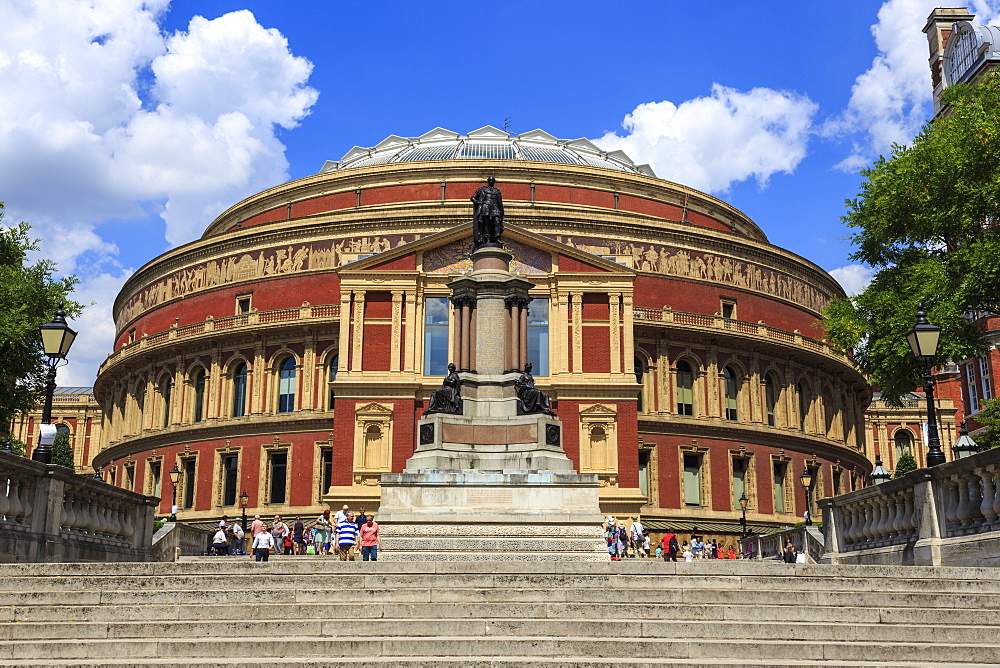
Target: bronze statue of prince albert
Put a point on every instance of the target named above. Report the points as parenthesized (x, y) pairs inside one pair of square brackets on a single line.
[(487, 217)]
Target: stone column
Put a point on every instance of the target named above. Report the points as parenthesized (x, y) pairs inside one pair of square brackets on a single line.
[(627, 337), (615, 332), (472, 337), (577, 359), (410, 326), (359, 327), (397, 329), (343, 349), (523, 335), (458, 334), (513, 330), (257, 399)]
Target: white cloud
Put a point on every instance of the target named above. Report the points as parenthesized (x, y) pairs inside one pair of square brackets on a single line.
[(711, 142), (108, 117), (80, 146), (853, 277), (891, 100), (95, 328)]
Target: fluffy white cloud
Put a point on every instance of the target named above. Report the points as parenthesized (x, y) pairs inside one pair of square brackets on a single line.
[(891, 100), (711, 142), (108, 117), (853, 277), (95, 327)]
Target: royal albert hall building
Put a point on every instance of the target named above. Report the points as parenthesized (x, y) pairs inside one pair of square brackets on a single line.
[(290, 351)]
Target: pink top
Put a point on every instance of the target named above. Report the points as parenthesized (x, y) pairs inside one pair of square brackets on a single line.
[(369, 534), (256, 528)]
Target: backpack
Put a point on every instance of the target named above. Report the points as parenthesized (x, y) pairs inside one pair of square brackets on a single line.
[(674, 547)]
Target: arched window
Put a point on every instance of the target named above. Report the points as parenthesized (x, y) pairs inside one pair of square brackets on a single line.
[(166, 390), (62, 429), (640, 371), (904, 442), (333, 367), (240, 390), (685, 389), (732, 392), (199, 396), (803, 406), (286, 386), (770, 399)]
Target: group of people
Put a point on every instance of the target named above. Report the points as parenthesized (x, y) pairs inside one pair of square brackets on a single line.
[(342, 533), (669, 549), (634, 541)]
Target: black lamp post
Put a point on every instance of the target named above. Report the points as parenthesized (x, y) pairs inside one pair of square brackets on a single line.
[(244, 498), (879, 474), (807, 478), (743, 520), (175, 476), (923, 340), (57, 338), (964, 446)]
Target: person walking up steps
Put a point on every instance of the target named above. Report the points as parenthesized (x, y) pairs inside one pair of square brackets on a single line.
[(347, 537)]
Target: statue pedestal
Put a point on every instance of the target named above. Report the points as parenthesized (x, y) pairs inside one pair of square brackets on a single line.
[(489, 483)]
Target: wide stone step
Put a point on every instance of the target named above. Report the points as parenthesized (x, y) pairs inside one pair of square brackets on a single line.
[(776, 612), (325, 593), (476, 662), (85, 650), (648, 582), (477, 629)]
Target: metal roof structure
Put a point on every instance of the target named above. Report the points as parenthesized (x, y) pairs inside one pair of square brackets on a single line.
[(74, 390), (487, 143)]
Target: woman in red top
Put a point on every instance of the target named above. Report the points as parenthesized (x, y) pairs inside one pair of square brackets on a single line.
[(371, 541)]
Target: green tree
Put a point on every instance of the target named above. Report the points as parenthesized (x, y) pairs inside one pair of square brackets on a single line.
[(928, 223), (29, 295), (990, 417), (904, 465), (62, 451), (9, 442)]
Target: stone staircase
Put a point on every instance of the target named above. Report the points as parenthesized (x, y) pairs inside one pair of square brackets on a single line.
[(314, 611)]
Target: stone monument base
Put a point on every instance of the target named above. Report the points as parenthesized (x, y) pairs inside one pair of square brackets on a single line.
[(475, 515)]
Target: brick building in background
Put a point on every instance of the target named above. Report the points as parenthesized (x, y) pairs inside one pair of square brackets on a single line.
[(291, 349)]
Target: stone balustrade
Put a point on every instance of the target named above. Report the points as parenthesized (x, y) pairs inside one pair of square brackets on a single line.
[(49, 513), (699, 321), (805, 539), (304, 314), (946, 515)]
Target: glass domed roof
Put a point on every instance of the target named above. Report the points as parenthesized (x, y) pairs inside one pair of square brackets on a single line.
[(488, 143)]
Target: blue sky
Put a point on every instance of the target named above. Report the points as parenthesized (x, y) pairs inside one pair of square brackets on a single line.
[(139, 121)]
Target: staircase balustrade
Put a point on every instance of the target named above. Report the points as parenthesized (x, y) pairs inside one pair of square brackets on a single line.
[(49, 513), (945, 515)]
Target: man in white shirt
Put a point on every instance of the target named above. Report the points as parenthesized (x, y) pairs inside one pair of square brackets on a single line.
[(341, 514), (262, 544)]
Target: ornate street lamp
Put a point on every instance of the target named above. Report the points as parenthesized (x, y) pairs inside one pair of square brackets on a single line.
[(964, 446), (244, 499), (175, 477), (807, 478), (57, 338), (879, 474), (923, 340), (743, 520)]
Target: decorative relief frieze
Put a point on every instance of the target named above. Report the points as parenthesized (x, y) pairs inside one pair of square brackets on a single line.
[(702, 266)]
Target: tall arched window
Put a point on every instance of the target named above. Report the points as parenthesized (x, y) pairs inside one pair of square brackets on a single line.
[(640, 371), (803, 406), (166, 390), (199, 396), (770, 399), (732, 392), (332, 376), (240, 390), (286, 386), (685, 389)]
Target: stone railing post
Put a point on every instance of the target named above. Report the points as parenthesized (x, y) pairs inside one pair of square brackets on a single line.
[(833, 520)]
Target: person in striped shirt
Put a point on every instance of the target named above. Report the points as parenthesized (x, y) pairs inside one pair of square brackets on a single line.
[(347, 537)]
